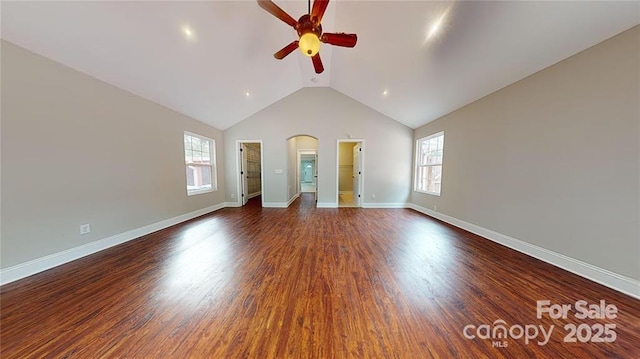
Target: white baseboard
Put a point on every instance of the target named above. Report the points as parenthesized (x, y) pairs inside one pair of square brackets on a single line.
[(327, 205), (275, 205), (249, 196), (605, 277), (280, 204), (610, 279), (386, 205), (22, 270), (293, 199)]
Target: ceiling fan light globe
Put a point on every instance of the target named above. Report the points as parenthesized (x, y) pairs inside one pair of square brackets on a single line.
[(309, 44)]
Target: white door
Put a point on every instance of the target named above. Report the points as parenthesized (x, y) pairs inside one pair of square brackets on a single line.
[(357, 173), (243, 174)]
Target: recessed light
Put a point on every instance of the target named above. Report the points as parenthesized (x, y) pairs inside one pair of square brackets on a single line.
[(188, 32), (385, 92), (247, 94), (436, 26)]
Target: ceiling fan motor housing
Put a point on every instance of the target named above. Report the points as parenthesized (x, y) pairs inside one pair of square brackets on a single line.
[(306, 26)]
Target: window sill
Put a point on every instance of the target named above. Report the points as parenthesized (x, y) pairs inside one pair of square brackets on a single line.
[(431, 193), (193, 193)]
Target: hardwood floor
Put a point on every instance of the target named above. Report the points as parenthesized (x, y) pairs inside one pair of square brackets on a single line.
[(306, 283)]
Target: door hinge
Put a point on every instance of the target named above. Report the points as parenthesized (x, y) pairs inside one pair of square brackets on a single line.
[(242, 195), (360, 149), (359, 172), (358, 196), (240, 149), (241, 172)]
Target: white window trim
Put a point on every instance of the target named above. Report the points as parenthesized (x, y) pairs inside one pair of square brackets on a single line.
[(214, 167), (417, 163)]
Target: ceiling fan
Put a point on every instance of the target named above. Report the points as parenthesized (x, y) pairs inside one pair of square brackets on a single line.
[(309, 30)]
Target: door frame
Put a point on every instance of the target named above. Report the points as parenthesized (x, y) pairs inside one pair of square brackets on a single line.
[(239, 182), (298, 169), (361, 182)]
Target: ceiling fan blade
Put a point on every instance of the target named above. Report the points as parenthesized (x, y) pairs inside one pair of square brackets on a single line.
[(286, 50), (340, 39), (319, 6), (276, 11), (317, 63)]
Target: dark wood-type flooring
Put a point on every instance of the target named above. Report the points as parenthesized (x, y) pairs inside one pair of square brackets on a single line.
[(304, 283)]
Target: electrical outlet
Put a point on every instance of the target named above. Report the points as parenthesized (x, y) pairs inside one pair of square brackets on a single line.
[(85, 228), (435, 208), (233, 196), (373, 196)]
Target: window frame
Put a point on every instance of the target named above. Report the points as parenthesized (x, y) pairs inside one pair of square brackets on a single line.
[(212, 164), (419, 165)]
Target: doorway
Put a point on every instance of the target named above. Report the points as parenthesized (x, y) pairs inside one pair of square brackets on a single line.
[(350, 173), (302, 177), (308, 171), (250, 179)]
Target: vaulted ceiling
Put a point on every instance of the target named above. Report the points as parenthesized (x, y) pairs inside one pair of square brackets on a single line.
[(224, 71)]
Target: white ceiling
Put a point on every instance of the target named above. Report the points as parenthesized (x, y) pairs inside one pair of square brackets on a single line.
[(482, 47)]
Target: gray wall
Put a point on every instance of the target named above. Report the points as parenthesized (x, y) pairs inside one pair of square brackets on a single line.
[(553, 159), (327, 115), (292, 155), (76, 150)]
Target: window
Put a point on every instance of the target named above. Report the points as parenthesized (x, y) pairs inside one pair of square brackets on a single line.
[(199, 157), (429, 163)]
